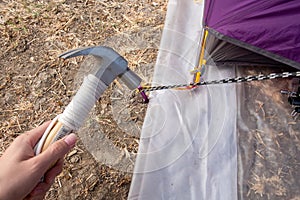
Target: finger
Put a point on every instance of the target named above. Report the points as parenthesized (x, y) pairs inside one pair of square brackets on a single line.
[(54, 152), (43, 187), (39, 191), (36, 134), (29, 197), (40, 197), (54, 171)]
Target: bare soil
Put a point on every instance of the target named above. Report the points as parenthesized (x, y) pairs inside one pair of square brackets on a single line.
[(268, 139), (35, 85)]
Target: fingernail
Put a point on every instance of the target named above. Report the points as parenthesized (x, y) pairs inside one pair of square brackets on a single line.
[(71, 139)]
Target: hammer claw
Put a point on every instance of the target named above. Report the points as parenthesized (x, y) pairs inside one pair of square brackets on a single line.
[(75, 52)]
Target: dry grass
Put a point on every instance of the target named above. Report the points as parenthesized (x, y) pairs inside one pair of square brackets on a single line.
[(268, 140), (36, 86)]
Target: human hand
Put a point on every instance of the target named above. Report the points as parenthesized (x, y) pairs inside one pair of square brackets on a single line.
[(21, 170)]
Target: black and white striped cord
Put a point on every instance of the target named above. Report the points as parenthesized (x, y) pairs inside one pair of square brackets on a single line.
[(224, 81)]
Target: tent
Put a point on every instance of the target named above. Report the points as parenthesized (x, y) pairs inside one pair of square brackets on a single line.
[(255, 32), (234, 141)]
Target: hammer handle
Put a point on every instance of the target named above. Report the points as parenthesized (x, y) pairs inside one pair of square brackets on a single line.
[(75, 113), (51, 135), (78, 110), (55, 131)]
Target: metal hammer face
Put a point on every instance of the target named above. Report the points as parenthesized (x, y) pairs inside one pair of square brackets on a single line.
[(113, 65)]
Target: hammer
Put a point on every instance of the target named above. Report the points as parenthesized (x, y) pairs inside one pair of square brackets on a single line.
[(113, 65)]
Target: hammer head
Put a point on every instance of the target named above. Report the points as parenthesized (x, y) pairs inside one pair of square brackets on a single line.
[(113, 65)]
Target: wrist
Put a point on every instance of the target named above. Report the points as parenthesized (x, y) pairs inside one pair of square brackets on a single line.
[(3, 186), (6, 183)]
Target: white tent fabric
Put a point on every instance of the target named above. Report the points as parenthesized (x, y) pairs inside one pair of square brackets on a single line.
[(188, 141)]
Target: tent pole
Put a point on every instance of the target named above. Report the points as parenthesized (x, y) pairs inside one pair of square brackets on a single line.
[(201, 62)]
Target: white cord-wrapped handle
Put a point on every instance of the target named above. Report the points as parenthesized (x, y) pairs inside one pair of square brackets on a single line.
[(77, 111)]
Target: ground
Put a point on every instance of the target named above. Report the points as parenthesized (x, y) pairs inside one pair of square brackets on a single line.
[(35, 85), (268, 139)]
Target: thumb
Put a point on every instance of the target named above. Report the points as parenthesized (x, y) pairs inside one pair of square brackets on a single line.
[(56, 151)]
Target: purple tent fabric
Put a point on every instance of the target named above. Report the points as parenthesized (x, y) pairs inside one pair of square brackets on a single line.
[(272, 26)]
